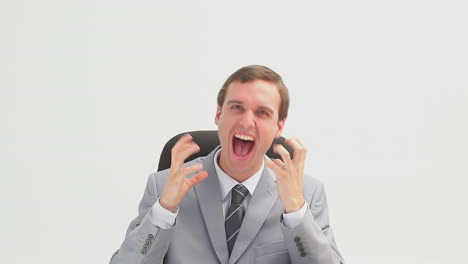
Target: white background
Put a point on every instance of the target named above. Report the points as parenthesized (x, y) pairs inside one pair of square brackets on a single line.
[(91, 91)]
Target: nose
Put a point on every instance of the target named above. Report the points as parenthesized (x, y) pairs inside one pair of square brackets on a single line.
[(247, 120)]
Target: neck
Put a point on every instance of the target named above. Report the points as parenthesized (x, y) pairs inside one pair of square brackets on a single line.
[(238, 173)]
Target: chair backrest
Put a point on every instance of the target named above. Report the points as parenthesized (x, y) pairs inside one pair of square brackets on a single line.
[(207, 140)]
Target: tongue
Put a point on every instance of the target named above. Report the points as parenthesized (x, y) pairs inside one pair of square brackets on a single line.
[(241, 147)]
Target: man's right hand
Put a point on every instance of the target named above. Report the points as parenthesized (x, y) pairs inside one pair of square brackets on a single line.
[(178, 184)]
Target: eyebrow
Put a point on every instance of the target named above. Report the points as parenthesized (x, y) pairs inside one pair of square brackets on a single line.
[(234, 102), (266, 108)]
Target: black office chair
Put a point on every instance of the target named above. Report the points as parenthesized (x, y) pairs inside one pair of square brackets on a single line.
[(207, 140)]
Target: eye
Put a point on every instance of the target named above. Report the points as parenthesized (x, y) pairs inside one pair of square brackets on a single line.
[(236, 107), (263, 113)]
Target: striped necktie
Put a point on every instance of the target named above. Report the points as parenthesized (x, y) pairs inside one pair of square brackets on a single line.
[(235, 214)]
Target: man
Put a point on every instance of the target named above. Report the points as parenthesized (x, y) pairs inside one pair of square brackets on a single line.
[(235, 205)]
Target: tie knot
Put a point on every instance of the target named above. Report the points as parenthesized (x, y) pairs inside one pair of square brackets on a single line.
[(239, 192)]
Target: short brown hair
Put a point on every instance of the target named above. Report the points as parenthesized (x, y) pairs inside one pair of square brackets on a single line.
[(258, 72)]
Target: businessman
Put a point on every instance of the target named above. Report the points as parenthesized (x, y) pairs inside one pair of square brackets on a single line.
[(235, 205)]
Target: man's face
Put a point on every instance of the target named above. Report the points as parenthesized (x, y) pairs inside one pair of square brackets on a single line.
[(247, 124)]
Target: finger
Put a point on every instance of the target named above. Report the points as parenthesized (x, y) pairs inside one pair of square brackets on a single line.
[(199, 177), (285, 156), (279, 163), (184, 139), (296, 140), (276, 165), (186, 151), (183, 149), (299, 149), (191, 169)]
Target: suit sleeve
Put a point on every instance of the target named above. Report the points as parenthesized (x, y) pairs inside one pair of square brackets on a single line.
[(312, 241), (144, 242)]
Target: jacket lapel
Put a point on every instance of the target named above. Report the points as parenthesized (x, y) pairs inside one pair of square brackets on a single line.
[(209, 199), (264, 197)]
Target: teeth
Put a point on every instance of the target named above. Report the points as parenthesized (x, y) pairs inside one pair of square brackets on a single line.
[(244, 137)]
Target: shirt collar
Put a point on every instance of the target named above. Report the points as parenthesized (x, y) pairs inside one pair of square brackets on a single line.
[(227, 183)]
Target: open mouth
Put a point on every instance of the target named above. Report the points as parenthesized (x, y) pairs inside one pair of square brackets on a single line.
[(242, 145)]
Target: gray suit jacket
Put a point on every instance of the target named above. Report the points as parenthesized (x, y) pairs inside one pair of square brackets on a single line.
[(198, 235)]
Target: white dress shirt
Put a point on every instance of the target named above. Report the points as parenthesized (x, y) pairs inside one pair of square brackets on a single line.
[(165, 219)]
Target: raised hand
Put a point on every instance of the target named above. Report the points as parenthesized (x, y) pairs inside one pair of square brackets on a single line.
[(289, 174), (178, 184)]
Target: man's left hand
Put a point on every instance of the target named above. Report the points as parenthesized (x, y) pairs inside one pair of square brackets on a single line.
[(289, 174)]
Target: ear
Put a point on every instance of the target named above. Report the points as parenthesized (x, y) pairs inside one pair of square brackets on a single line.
[(280, 125), (218, 114)]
